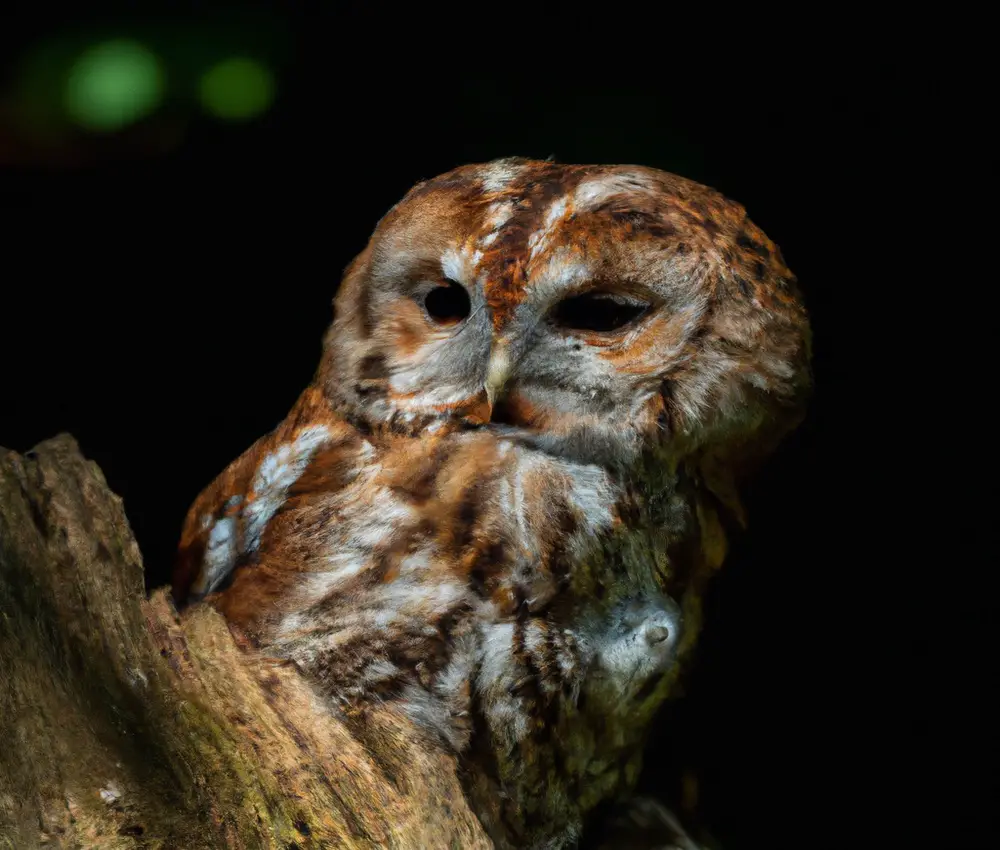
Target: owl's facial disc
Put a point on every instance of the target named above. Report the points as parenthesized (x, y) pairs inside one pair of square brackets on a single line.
[(598, 309)]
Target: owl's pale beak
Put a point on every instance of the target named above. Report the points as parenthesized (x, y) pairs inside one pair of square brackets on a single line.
[(498, 370)]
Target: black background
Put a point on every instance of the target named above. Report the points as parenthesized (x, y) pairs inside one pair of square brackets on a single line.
[(167, 310)]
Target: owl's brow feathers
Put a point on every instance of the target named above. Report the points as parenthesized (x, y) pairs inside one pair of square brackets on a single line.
[(520, 204)]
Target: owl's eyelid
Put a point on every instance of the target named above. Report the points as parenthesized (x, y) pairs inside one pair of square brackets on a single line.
[(620, 298), (632, 296), (424, 284), (419, 288)]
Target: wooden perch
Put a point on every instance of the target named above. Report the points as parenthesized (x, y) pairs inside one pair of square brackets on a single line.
[(124, 726)]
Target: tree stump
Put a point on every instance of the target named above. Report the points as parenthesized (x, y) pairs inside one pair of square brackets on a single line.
[(123, 725)]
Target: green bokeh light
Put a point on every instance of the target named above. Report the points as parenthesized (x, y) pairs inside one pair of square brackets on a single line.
[(113, 84), (237, 89)]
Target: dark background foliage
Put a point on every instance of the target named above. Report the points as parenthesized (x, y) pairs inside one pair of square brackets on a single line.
[(167, 286)]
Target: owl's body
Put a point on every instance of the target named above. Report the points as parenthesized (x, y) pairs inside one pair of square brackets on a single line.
[(497, 503)]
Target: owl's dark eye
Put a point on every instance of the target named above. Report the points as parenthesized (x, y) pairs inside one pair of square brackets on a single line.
[(598, 311), (448, 304)]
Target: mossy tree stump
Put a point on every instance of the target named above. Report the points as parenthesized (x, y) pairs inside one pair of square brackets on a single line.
[(125, 726)]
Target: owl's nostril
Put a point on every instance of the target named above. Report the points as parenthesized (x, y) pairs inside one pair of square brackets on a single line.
[(657, 634)]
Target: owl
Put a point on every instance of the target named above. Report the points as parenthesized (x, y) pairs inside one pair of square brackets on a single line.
[(496, 505)]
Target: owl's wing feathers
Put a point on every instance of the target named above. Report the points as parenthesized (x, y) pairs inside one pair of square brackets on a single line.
[(225, 524)]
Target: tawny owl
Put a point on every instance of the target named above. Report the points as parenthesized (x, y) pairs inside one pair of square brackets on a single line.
[(497, 503)]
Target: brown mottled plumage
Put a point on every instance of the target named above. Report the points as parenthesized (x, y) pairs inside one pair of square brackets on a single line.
[(497, 503)]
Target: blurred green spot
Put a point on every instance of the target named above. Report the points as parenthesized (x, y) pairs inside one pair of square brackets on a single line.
[(237, 89), (113, 84)]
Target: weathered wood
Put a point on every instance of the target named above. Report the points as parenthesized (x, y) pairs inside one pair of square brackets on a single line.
[(124, 726)]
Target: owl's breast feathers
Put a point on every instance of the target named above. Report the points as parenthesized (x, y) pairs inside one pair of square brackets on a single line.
[(407, 530)]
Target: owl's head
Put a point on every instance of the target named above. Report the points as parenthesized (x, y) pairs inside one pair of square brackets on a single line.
[(599, 310)]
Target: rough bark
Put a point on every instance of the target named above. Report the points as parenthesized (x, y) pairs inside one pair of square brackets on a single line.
[(123, 726)]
